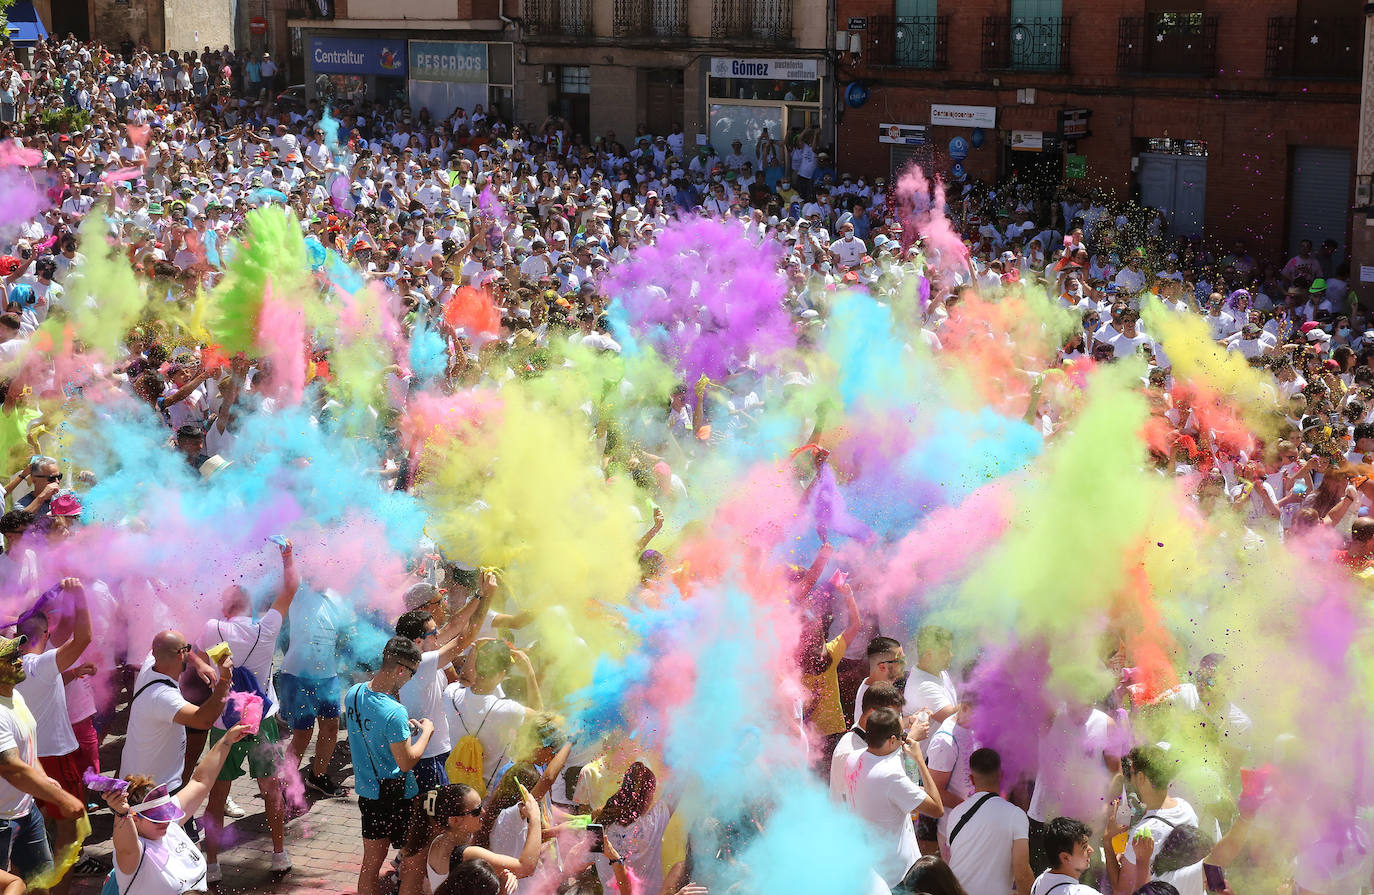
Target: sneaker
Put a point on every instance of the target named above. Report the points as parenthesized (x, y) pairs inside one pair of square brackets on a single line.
[(323, 785), (281, 862), (212, 873), (90, 866), (231, 808)]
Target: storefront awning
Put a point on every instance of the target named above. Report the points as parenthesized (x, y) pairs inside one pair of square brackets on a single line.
[(25, 27)]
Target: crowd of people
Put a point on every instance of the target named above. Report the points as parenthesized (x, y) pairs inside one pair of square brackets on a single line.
[(436, 365)]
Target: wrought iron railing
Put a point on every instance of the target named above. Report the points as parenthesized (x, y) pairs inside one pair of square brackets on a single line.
[(1026, 44), (766, 21), (1329, 48), (1168, 43), (649, 18), (908, 42), (558, 18)]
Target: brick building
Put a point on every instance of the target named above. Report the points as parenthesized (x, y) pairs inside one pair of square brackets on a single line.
[(1238, 117), (722, 69)]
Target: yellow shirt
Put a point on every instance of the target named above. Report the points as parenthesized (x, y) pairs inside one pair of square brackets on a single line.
[(827, 716)]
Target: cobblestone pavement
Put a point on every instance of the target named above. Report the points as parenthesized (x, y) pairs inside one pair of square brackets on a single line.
[(324, 844)]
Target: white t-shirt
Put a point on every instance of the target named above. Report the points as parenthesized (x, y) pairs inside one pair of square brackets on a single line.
[(1061, 884), (950, 747), (849, 744), (930, 692), (252, 646), (47, 701), (1160, 824), (423, 697), (18, 731), (1072, 780), (1190, 880), (155, 745), (170, 864), (980, 855), (494, 720), (882, 794), (641, 846)]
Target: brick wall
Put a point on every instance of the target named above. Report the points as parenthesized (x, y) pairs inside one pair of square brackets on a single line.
[(1248, 120)]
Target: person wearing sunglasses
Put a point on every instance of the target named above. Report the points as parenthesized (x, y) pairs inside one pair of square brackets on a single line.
[(151, 850), (45, 477), (386, 746), (452, 815)]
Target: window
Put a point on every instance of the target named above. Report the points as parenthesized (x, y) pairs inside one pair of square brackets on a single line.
[(574, 79)]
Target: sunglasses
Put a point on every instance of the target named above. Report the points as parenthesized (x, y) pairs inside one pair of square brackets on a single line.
[(411, 668), (49, 478), (476, 812), (428, 634)]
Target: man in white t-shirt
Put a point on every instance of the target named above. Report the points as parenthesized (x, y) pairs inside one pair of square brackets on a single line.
[(951, 745), (880, 792), (1069, 843), (848, 250), (882, 695), (423, 694), (1078, 757), (989, 837), (46, 696), (23, 840), (886, 664), (930, 689), (480, 710), (155, 745), (252, 646), (1149, 770)]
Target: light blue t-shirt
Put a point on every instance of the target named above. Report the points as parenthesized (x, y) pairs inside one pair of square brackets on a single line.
[(375, 721), (313, 621)]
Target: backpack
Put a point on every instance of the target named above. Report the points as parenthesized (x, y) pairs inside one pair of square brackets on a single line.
[(468, 757), (243, 680)]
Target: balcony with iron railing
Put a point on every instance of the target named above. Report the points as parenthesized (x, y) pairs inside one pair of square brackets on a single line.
[(752, 21), (650, 19), (914, 42), (1168, 43), (553, 19), (1330, 48), (1026, 44)]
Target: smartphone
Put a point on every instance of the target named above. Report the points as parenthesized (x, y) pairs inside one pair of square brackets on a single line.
[(1214, 877), (598, 837)]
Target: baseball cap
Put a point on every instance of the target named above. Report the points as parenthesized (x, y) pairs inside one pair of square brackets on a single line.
[(10, 646)]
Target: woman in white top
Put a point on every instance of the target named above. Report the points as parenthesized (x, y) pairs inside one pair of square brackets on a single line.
[(453, 815), (634, 823), (153, 854)]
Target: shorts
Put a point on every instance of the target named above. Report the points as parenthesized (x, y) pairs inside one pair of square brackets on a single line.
[(392, 817), (262, 751), (303, 699), (66, 770), (430, 773)]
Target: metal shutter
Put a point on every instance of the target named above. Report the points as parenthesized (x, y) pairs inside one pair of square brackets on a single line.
[(1318, 195)]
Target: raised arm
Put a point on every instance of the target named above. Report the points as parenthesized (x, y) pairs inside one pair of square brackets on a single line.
[(290, 581), (69, 652)]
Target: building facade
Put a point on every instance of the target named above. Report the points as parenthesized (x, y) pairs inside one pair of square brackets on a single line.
[(1239, 119), (440, 55), (722, 70)]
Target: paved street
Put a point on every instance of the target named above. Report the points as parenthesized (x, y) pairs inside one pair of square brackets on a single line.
[(324, 844)]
